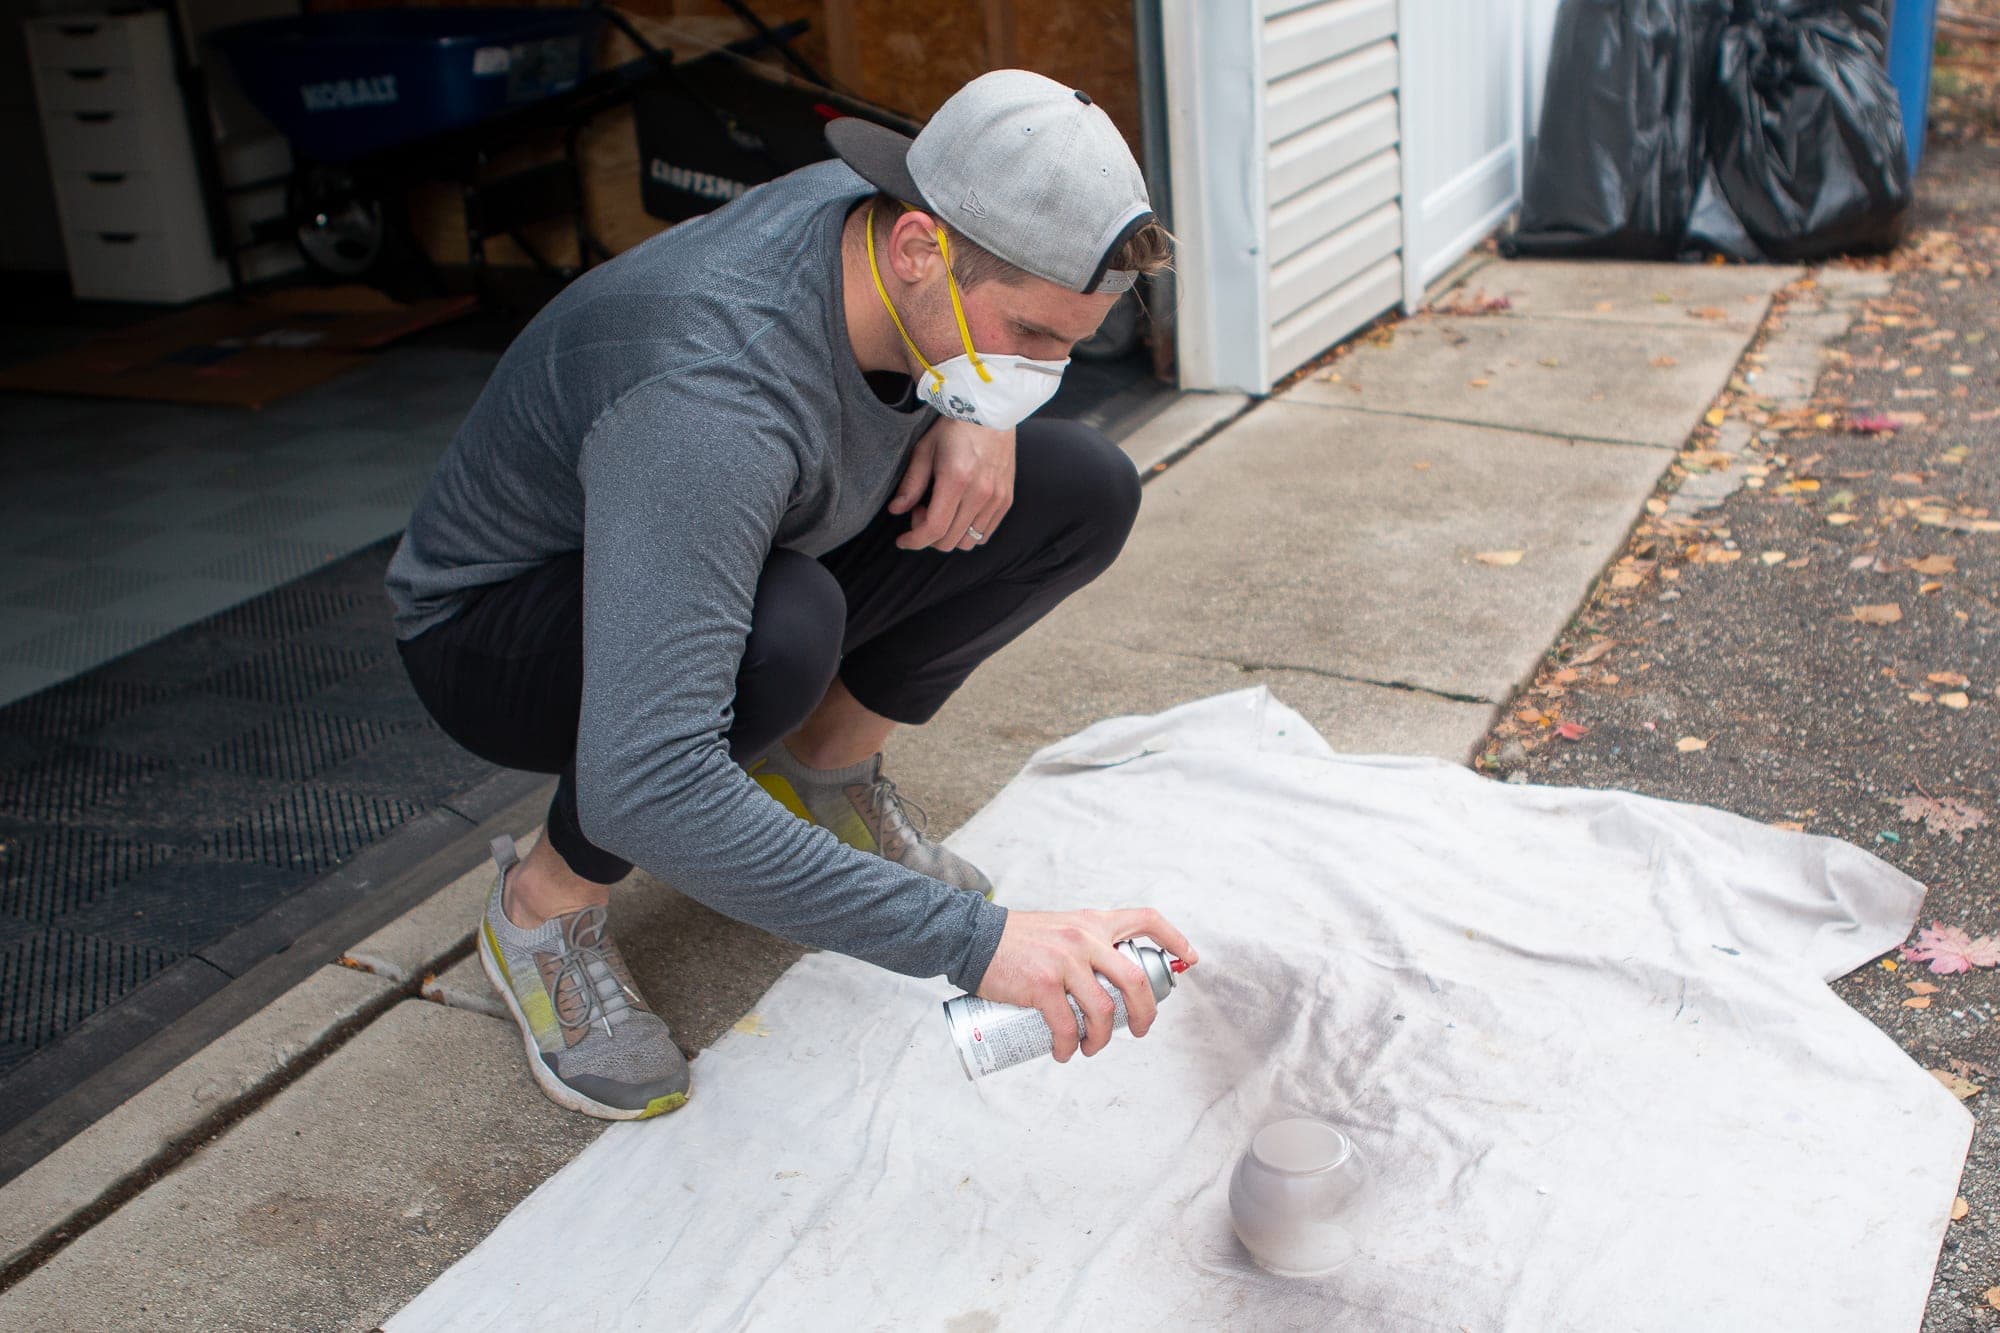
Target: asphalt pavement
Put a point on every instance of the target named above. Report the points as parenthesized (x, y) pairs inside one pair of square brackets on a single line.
[(1821, 648)]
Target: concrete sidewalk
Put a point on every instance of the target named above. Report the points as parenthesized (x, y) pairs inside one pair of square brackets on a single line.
[(326, 1160)]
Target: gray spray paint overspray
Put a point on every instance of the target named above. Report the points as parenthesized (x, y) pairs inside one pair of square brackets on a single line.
[(991, 1036)]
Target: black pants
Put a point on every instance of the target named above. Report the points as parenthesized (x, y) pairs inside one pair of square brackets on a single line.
[(901, 629)]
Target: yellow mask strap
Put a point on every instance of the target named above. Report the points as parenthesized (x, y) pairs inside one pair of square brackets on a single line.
[(883, 292), (951, 284)]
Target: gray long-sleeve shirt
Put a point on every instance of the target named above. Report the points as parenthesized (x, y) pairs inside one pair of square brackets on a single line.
[(675, 415)]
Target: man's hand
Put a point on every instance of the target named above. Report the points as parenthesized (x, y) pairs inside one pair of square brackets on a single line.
[(1045, 956), (968, 472)]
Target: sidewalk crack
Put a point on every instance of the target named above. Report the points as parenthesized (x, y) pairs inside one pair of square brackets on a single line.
[(1250, 667)]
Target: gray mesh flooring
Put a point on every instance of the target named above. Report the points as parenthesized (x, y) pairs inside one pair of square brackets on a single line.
[(152, 805)]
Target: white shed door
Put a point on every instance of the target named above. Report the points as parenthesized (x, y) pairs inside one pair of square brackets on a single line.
[(1462, 114)]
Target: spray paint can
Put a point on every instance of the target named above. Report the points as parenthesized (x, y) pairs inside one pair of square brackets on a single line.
[(991, 1037)]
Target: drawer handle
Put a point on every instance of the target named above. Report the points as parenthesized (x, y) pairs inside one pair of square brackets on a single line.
[(78, 30), (118, 237), (94, 117), (104, 177), (87, 75)]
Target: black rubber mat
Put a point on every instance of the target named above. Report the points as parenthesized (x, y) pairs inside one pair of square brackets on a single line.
[(150, 807)]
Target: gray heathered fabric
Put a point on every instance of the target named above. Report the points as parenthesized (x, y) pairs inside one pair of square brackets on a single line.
[(676, 414)]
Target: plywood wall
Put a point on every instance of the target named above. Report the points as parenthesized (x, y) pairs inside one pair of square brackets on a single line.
[(901, 54)]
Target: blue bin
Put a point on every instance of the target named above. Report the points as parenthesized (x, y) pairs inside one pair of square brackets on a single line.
[(343, 85), (1912, 38)]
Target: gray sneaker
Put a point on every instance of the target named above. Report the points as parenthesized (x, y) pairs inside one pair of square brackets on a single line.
[(593, 1044), (863, 809)]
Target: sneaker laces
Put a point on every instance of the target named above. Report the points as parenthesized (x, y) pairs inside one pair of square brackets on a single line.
[(584, 963), (893, 810)]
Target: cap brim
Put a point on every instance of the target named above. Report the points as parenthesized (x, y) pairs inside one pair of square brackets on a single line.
[(879, 155)]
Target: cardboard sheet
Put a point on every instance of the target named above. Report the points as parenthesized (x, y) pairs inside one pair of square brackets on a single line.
[(1583, 1039)]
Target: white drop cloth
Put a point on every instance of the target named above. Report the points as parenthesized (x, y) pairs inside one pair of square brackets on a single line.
[(1583, 1039)]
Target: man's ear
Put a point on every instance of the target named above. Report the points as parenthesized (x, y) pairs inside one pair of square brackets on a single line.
[(913, 247)]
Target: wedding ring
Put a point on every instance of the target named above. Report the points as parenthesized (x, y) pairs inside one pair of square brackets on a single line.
[(975, 534)]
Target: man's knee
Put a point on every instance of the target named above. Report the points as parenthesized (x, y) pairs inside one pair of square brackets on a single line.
[(797, 625), (1096, 486)]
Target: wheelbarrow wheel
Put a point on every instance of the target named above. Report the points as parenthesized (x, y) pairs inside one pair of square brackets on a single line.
[(351, 231)]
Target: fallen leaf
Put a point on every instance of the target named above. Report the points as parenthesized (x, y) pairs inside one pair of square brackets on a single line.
[(1947, 678), (1926, 589), (1773, 557), (1550, 362), (1840, 520), (1861, 562), (1481, 383), (1944, 814), (1714, 416), (752, 1025), (1572, 731), (1566, 676), (1963, 1089), (1920, 697), (1499, 557), (1917, 1002), (1689, 744), (1922, 988), (1951, 949), (1958, 371), (1709, 312), (1665, 362), (1935, 564), (1801, 484), (1603, 307), (1592, 653), (1968, 1068), (1884, 613), (1625, 578), (1956, 699), (1992, 1297), (1797, 826), (1959, 1208), (1871, 424)]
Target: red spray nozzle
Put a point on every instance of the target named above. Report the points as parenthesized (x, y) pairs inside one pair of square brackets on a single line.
[(1178, 965)]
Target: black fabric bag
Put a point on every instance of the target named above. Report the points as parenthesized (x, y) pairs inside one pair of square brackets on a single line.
[(1759, 129)]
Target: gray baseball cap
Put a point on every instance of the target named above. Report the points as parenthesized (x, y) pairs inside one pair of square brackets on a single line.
[(1019, 164)]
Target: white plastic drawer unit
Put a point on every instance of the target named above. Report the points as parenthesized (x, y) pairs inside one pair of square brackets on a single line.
[(134, 226), (90, 88), (94, 141), (80, 41), (106, 200), (117, 265)]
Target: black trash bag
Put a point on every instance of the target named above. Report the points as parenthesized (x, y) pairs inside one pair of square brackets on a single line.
[(1619, 156), (1804, 136), (1758, 129)]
